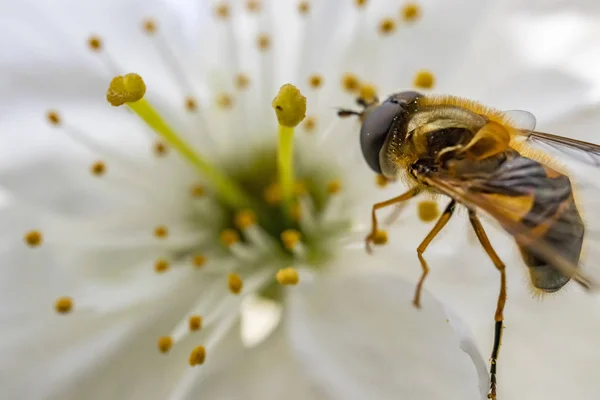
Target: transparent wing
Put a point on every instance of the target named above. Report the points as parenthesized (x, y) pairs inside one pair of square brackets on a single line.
[(521, 119)]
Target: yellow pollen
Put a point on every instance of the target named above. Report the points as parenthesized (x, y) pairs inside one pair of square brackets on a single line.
[(195, 323), (287, 276), (245, 219), (161, 232), (95, 43), (199, 260), (410, 12), (428, 210), (387, 26), (98, 168), (126, 89), (234, 282), (253, 5), (380, 237), (424, 79), (197, 191), (53, 117), (63, 305), (350, 82), (161, 266), (190, 104), (263, 41), (290, 238), (165, 343), (381, 181), (197, 356), (315, 81), (310, 124), (241, 81), (296, 211), (290, 106), (229, 237), (360, 3), (225, 101), (334, 186), (272, 194), (33, 238), (304, 7), (160, 149), (367, 92), (222, 10), (149, 26)]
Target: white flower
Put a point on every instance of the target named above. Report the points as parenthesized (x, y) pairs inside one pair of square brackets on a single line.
[(145, 249)]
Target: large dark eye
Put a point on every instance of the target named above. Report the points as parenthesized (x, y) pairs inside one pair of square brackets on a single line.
[(374, 131)]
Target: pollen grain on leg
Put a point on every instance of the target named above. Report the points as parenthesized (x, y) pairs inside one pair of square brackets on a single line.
[(53, 117), (224, 101), (367, 92), (387, 26), (234, 283), (191, 104), (222, 10), (381, 181), (229, 237), (410, 12), (290, 238), (428, 210), (424, 79), (315, 81), (334, 186), (195, 323), (149, 26), (165, 343), (310, 124), (245, 219), (304, 7), (125, 89), (95, 43), (161, 266), (380, 237), (33, 238), (241, 81), (198, 261), (263, 42), (63, 305), (161, 232), (98, 168), (350, 82), (287, 276), (197, 356), (160, 148)]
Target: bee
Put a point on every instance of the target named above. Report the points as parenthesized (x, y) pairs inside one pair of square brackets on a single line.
[(489, 162)]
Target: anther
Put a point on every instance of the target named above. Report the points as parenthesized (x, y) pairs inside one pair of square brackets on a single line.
[(310, 124), (315, 81), (368, 92), (387, 26), (253, 5), (33, 238), (245, 219), (381, 181), (95, 43), (229, 237), (98, 168), (241, 81), (289, 106), (53, 117), (197, 191), (160, 148), (263, 42), (287, 276), (350, 82), (296, 211), (161, 266), (272, 194), (428, 210), (234, 282), (126, 89), (224, 101), (197, 356), (199, 260), (149, 26), (161, 232), (410, 12), (165, 343), (424, 79), (360, 3), (300, 188), (195, 323), (380, 237), (334, 186), (290, 238), (304, 7), (222, 10), (63, 305), (190, 104)]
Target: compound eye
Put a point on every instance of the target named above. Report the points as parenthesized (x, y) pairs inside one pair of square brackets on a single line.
[(374, 131), (405, 97)]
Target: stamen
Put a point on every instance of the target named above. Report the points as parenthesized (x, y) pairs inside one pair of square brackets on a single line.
[(381, 181), (380, 237), (387, 26), (244, 219), (350, 82), (424, 79), (315, 81), (161, 232), (290, 238), (33, 238), (160, 149), (199, 260), (410, 12), (296, 211), (53, 117), (310, 124), (225, 101), (253, 5), (290, 108), (98, 168), (97, 46), (149, 26), (334, 187), (190, 104), (161, 266), (272, 194), (165, 343), (197, 356), (360, 3), (63, 305), (242, 81), (195, 323), (304, 7), (287, 276), (263, 42), (130, 89), (229, 237), (222, 10), (95, 43), (197, 191), (368, 92), (299, 188), (234, 283), (428, 210)]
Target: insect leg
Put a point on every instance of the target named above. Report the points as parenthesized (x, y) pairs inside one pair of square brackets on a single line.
[(499, 316), (439, 225), (403, 197)]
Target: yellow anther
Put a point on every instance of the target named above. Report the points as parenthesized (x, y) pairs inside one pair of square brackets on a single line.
[(229, 237), (424, 79), (387, 26), (381, 181), (304, 7), (428, 210), (149, 26), (161, 266), (234, 282), (98, 168), (289, 105), (253, 5), (410, 12), (197, 356), (126, 89), (63, 305), (161, 232), (224, 101), (242, 81), (367, 92), (222, 10), (334, 186), (380, 237), (296, 211), (195, 323), (160, 148), (33, 238), (315, 81), (350, 82), (310, 124), (272, 194), (300, 188), (245, 219), (199, 260), (53, 117), (95, 43), (290, 238), (263, 42), (360, 3), (190, 104), (287, 276), (197, 191), (165, 343)]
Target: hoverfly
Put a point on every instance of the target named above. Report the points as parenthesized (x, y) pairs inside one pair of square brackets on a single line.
[(481, 159)]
